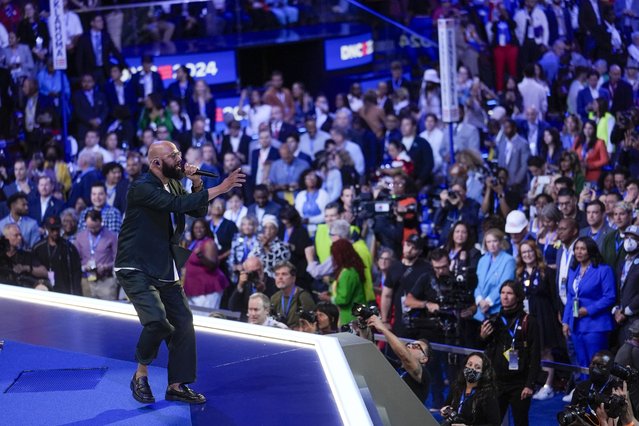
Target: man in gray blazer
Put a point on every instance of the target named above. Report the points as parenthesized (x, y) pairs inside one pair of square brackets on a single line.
[(513, 156)]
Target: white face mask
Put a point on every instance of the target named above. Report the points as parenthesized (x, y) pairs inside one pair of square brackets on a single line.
[(630, 245)]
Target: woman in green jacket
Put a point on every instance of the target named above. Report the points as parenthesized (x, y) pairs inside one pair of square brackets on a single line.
[(348, 287)]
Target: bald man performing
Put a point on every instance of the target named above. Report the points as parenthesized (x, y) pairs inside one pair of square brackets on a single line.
[(148, 261)]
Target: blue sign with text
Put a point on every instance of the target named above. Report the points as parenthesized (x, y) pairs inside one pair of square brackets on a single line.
[(347, 52)]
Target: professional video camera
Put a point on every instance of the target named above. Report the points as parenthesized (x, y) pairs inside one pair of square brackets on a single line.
[(576, 414), (451, 417), (365, 207)]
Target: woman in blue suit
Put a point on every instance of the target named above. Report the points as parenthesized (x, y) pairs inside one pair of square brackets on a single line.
[(494, 267), (591, 296)]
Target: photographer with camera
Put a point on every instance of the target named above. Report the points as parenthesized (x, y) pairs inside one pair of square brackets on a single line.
[(513, 347), (472, 399), (499, 199), (628, 355), (455, 207), (252, 279), (323, 320), (414, 357)]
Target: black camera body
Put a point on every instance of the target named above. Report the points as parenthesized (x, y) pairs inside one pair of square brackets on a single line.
[(627, 374), (451, 417), (614, 405), (309, 316), (363, 313), (572, 414)]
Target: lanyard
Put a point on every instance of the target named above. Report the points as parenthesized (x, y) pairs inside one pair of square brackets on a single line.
[(93, 244), (546, 243), (288, 306), (512, 331), (247, 248), (463, 398), (193, 244), (578, 278), (215, 228), (287, 235)]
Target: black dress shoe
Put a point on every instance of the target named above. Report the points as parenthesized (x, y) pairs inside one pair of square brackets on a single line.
[(141, 390), (185, 394)]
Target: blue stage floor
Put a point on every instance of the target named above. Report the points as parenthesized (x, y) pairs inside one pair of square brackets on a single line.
[(246, 381)]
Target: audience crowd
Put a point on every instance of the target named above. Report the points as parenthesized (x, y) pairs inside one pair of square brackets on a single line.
[(520, 237)]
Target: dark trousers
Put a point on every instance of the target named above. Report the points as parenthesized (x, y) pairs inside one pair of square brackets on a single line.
[(165, 315), (510, 395)]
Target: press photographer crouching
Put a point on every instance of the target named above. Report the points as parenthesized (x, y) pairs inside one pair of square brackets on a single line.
[(414, 356), (252, 279), (322, 320), (602, 396), (472, 399)]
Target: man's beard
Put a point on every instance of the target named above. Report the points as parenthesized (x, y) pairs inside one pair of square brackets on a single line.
[(172, 172)]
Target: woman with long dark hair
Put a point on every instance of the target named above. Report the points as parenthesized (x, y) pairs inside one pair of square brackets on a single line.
[(473, 395), (293, 233), (348, 287), (551, 149), (569, 166), (591, 296), (591, 151), (537, 280), (204, 281), (605, 122), (462, 253)]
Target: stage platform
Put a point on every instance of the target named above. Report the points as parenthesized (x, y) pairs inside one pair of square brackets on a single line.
[(67, 360)]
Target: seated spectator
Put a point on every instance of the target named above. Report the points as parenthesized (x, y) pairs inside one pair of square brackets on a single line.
[(97, 246), (19, 214), (290, 298), (236, 141), (83, 182), (296, 236), (263, 203), (154, 114), (262, 157), (285, 173), (223, 228), (270, 250), (204, 281), (92, 145), (252, 279), (243, 243), (18, 58), (17, 266), (256, 112), (314, 139), (116, 187), (280, 129), (44, 205), (60, 258), (259, 309), (293, 142), (110, 216)]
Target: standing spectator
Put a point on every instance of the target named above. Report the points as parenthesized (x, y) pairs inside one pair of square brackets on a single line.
[(550, 62), (280, 129), (271, 250), (236, 142), (18, 59), (348, 287), (243, 243), (223, 228), (204, 281), (69, 220), (473, 394), (605, 122), (494, 267), (505, 46), (110, 217), (513, 347), (311, 201), (95, 51), (435, 137), (60, 258), (339, 136), (598, 227), (146, 81), (235, 208), (45, 204), (90, 107), (627, 309), (551, 148), (97, 247), (567, 203), (591, 151), (33, 32), (181, 90), (570, 132), (278, 95), (588, 94), (537, 280), (290, 298), (284, 174), (296, 236), (19, 214), (620, 91), (591, 295), (22, 183), (92, 145), (116, 186), (419, 151), (532, 92), (256, 112), (261, 158), (532, 33), (513, 156), (202, 104)]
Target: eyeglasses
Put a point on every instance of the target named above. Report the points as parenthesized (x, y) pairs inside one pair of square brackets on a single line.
[(416, 345)]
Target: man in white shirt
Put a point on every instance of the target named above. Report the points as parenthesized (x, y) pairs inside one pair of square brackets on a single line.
[(45, 205), (532, 93), (73, 25), (435, 137), (313, 140), (259, 307), (92, 144), (578, 84)]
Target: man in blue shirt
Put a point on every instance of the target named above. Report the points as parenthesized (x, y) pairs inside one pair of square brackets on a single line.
[(19, 214), (285, 173)]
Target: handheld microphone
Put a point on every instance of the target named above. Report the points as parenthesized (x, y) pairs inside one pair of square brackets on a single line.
[(204, 173)]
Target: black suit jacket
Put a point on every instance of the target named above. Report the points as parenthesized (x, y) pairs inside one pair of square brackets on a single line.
[(121, 190), (628, 290), (621, 96), (243, 148), (224, 233), (273, 155), (270, 208), (130, 100), (173, 92), (422, 154), (147, 239), (85, 60), (54, 207), (286, 130), (84, 111), (138, 86)]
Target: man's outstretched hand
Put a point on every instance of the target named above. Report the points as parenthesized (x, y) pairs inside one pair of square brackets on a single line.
[(235, 180)]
